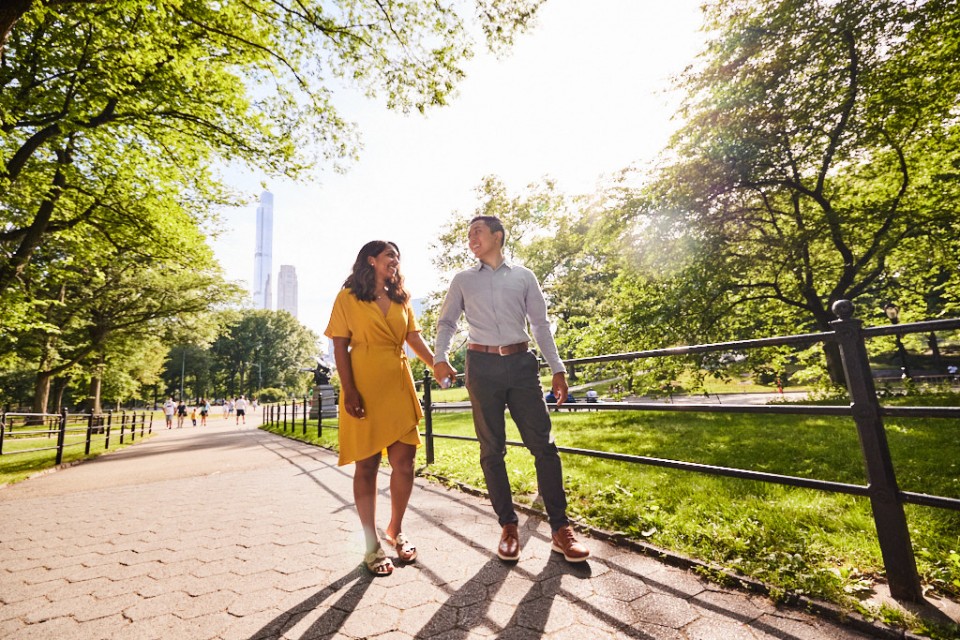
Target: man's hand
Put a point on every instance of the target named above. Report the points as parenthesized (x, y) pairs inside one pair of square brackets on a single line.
[(444, 370), (560, 387)]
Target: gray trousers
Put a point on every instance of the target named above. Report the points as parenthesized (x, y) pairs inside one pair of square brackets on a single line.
[(498, 382)]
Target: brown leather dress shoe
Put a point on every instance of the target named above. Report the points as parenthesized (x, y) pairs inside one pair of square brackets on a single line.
[(566, 543), (509, 548)]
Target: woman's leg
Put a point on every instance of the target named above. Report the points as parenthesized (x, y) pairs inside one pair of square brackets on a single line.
[(401, 456), (365, 497)]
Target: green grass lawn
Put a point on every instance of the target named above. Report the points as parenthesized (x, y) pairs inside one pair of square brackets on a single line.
[(18, 464), (795, 540)]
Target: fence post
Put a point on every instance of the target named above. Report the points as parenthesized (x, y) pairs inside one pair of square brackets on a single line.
[(319, 394), (62, 435), (888, 514), (106, 441), (3, 428), (123, 424), (428, 415), (284, 416), (306, 410), (86, 448)]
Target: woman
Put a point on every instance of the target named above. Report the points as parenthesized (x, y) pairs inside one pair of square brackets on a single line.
[(379, 409)]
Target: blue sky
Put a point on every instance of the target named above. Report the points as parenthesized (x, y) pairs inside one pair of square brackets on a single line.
[(585, 94)]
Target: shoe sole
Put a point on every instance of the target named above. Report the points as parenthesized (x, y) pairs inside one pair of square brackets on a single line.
[(506, 558), (558, 549)]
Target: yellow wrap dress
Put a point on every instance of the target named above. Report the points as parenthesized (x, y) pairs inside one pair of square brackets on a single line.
[(381, 373)]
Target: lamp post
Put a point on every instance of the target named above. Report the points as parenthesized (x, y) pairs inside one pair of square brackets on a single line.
[(183, 367), (893, 313)]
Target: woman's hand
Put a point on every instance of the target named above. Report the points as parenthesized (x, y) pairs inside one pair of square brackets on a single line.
[(353, 403)]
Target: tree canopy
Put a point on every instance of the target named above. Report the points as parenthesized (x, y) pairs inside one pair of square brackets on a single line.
[(818, 159)]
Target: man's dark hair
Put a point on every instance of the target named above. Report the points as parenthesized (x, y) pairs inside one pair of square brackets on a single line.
[(493, 223)]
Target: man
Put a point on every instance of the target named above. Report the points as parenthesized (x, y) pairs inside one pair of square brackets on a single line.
[(241, 406), (498, 298), (168, 409)]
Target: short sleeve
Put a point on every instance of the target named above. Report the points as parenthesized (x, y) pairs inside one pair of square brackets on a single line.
[(339, 326), (412, 324)]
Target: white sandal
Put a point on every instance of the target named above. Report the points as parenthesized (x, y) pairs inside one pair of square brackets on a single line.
[(406, 550), (378, 563)]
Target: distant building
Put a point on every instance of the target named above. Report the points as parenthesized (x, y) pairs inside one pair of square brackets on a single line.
[(263, 258), (287, 289)]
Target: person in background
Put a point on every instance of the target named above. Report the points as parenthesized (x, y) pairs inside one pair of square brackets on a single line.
[(193, 416), (169, 408), (181, 413), (498, 298), (379, 410), (241, 407)]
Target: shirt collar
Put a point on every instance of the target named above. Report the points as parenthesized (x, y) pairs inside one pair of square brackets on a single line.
[(481, 266)]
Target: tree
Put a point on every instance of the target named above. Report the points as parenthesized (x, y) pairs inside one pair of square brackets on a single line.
[(102, 100), (819, 142), (263, 348), (90, 306)]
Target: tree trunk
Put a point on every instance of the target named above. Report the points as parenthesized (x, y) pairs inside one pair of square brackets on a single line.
[(36, 232), (61, 386), (834, 363), (94, 400), (41, 392), (10, 12), (934, 345)]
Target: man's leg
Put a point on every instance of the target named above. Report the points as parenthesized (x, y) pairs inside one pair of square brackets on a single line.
[(529, 410), (487, 398)]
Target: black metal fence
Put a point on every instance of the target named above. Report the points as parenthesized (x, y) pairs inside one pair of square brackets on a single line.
[(286, 415), (885, 496), (32, 432)]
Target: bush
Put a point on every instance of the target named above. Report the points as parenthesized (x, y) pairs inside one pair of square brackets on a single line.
[(272, 394)]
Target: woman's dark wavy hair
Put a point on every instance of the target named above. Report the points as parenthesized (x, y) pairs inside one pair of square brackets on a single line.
[(362, 281)]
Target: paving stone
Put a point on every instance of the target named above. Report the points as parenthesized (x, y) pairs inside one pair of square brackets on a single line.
[(545, 614), (16, 590), (664, 610), (164, 604), (427, 620), (711, 628), (772, 626), (22, 608), (733, 605), (63, 627), (485, 618)]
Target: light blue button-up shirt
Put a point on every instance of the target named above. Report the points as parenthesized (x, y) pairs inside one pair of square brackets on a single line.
[(497, 303)]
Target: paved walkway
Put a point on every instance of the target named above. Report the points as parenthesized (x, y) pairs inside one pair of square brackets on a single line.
[(230, 532)]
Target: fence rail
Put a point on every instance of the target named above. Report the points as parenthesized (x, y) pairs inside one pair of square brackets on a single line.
[(865, 410), (59, 431)]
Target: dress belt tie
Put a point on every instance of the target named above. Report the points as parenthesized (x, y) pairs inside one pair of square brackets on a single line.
[(505, 350)]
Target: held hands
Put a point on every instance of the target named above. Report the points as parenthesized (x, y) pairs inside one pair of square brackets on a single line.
[(559, 386), (353, 404), (443, 370)]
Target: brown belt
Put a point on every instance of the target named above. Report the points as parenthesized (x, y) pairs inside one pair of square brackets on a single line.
[(505, 350)]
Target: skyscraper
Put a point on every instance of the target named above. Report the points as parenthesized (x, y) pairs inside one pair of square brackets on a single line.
[(263, 258), (287, 289)]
